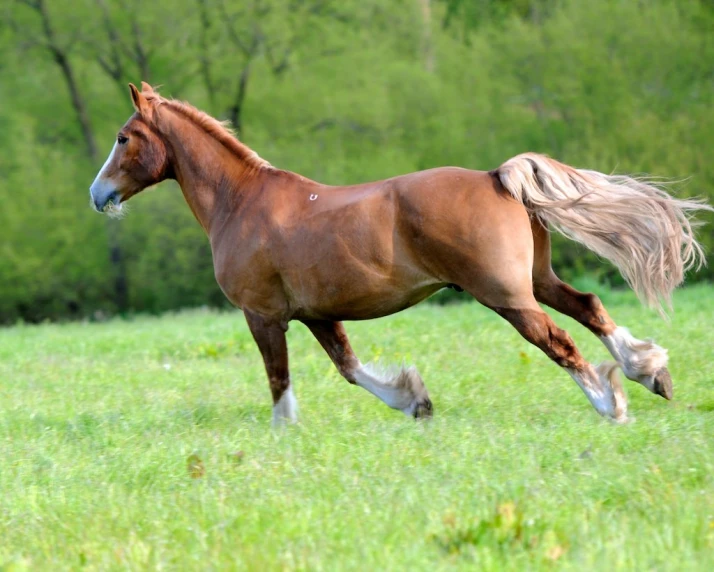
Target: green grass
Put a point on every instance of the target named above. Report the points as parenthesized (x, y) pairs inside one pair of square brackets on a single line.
[(515, 471)]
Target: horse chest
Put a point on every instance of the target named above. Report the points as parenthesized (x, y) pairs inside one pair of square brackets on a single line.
[(247, 278)]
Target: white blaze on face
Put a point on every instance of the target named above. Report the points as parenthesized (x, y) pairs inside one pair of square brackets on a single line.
[(108, 161), (102, 189)]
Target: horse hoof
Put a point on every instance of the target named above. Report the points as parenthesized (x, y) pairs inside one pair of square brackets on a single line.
[(663, 383), (424, 409)]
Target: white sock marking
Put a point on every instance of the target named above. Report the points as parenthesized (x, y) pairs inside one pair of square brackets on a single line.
[(604, 390), (640, 360), (399, 389), (286, 408)]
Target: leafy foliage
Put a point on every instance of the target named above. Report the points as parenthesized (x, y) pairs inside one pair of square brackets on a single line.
[(339, 91)]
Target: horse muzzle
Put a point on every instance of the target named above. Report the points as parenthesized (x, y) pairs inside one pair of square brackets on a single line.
[(104, 197)]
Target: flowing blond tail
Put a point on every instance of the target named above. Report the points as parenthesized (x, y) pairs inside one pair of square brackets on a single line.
[(639, 227)]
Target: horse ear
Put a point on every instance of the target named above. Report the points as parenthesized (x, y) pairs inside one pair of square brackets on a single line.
[(141, 106), (146, 88)]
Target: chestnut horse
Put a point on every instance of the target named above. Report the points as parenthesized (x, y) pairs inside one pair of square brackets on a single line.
[(288, 248)]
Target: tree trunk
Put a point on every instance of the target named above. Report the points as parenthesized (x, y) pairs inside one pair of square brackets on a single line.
[(426, 39), (61, 58), (204, 57), (140, 54), (236, 110)]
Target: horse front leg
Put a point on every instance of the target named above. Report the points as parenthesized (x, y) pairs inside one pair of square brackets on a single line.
[(401, 389), (269, 334)]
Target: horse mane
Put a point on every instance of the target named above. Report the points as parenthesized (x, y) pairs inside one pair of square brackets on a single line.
[(219, 130)]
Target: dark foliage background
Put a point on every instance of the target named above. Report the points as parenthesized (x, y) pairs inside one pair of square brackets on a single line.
[(339, 90)]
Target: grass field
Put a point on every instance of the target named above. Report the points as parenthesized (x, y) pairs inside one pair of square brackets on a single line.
[(146, 444)]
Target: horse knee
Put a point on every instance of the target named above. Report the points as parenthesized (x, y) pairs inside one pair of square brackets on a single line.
[(537, 327), (347, 365), (592, 304), (348, 373), (562, 349), (278, 386), (595, 316), (584, 307)]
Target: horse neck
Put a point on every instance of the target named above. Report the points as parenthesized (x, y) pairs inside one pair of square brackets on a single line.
[(211, 176)]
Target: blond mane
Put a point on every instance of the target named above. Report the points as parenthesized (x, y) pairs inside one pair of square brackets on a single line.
[(219, 130)]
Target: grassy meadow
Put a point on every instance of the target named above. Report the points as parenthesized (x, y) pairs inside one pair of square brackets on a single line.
[(146, 444)]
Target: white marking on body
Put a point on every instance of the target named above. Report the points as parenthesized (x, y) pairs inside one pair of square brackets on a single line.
[(313, 197), (401, 389), (640, 360), (603, 388), (285, 410)]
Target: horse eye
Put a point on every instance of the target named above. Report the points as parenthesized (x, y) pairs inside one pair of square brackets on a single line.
[(121, 139)]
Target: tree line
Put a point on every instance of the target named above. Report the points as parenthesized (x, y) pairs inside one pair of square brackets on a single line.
[(339, 91)]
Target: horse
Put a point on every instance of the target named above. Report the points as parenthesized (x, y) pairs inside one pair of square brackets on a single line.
[(288, 248)]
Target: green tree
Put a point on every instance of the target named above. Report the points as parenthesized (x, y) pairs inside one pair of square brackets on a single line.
[(339, 91)]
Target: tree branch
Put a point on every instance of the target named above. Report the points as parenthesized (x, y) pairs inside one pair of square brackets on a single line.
[(61, 58), (232, 34), (60, 55), (140, 54), (34, 4), (114, 68), (204, 59), (236, 110)]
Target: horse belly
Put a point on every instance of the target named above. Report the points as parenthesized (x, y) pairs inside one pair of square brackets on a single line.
[(358, 295)]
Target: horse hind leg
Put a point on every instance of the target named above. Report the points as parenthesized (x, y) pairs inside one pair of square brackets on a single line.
[(642, 361), (399, 388), (600, 383)]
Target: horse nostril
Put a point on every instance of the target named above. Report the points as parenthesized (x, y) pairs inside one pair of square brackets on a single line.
[(112, 200)]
